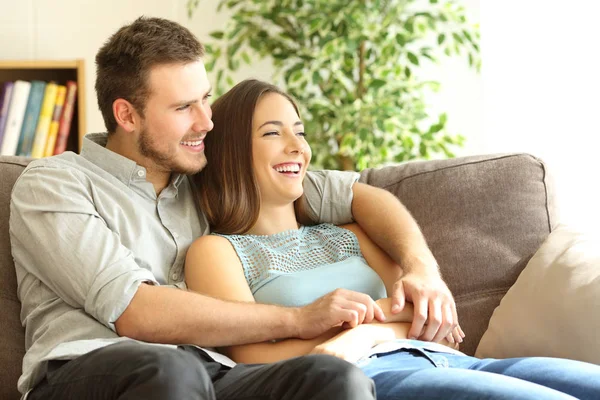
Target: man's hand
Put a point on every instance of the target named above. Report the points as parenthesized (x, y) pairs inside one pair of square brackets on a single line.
[(435, 314), (340, 307)]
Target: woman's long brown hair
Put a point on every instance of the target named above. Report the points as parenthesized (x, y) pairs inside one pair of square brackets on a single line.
[(226, 188)]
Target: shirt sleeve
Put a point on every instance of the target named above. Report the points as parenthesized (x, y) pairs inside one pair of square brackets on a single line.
[(328, 196), (58, 236)]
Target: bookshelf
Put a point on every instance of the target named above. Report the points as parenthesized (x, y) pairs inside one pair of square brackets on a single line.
[(59, 71)]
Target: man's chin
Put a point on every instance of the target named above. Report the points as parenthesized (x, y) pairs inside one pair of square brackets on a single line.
[(190, 169)]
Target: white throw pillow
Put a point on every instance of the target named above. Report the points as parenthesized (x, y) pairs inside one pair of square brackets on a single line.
[(553, 309)]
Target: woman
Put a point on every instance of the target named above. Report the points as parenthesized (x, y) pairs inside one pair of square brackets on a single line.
[(257, 155)]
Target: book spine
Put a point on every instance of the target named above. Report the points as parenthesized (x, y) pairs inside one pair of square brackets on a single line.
[(66, 118), (14, 119), (32, 113), (7, 90), (43, 126), (53, 132)]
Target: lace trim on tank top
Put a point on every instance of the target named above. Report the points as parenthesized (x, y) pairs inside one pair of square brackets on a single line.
[(267, 256)]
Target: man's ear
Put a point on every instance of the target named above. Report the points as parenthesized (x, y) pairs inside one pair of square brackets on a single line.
[(125, 115)]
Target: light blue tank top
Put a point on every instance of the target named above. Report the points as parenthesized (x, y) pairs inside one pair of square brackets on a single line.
[(294, 268)]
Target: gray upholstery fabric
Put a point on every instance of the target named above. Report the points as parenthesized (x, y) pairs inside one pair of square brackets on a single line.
[(12, 334), (482, 216)]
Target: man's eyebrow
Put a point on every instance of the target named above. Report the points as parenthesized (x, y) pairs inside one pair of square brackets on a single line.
[(186, 102), (279, 123)]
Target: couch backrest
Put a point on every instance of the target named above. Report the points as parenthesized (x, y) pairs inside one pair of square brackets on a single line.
[(483, 217), (12, 334)]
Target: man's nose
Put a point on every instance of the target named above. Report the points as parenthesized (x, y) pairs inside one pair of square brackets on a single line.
[(203, 121)]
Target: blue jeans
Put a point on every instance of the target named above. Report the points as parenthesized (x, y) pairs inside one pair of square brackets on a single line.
[(423, 374)]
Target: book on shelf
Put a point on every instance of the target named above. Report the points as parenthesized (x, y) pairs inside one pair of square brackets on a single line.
[(14, 118), (5, 96), (32, 113), (66, 118), (43, 125), (61, 94)]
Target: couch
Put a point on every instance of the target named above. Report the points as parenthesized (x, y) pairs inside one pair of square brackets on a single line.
[(483, 218)]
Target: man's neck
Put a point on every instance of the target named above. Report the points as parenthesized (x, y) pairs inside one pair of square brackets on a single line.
[(157, 177), (274, 219)]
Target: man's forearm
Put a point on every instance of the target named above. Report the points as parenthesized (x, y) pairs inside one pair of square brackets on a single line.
[(389, 224), (173, 316)]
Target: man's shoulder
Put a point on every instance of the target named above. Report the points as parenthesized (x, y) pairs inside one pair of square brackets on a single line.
[(66, 160), (50, 171)]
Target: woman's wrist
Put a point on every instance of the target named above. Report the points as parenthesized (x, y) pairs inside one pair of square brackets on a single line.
[(405, 315)]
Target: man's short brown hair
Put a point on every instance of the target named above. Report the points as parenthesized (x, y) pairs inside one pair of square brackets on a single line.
[(126, 59)]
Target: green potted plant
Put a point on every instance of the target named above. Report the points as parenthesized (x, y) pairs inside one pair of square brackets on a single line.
[(353, 66)]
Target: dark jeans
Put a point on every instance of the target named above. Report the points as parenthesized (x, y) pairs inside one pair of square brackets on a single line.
[(131, 370)]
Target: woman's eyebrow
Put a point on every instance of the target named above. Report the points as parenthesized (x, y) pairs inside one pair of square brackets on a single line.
[(279, 123)]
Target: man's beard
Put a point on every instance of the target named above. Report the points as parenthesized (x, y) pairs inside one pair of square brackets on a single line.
[(163, 160)]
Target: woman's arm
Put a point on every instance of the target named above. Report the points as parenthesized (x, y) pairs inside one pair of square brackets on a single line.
[(213, 268)]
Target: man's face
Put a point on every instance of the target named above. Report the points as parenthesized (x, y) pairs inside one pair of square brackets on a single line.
[(176, 119)]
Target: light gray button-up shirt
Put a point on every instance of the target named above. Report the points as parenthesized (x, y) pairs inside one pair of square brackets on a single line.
[(86, 230)]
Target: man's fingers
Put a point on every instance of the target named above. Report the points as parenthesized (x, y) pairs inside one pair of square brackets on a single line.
[(458, 338), (398, 298), (419, 317), (378, 312), (350, 317), (434, 321), (447, 325)]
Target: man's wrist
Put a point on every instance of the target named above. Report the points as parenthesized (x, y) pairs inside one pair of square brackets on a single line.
[(421, 265)]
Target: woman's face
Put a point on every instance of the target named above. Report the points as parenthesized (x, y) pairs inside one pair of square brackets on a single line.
[(279, 150)]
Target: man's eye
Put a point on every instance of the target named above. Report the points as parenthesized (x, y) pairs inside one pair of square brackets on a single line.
[(183, 107), (208, 96)]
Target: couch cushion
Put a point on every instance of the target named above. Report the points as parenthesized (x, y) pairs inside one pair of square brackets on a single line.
[(552, 309), (12, 335), (483, 218)]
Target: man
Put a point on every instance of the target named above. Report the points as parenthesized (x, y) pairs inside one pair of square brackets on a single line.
[(99, 240)]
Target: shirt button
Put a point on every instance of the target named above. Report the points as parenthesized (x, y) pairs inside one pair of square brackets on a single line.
[(140, 173), (175, 276)]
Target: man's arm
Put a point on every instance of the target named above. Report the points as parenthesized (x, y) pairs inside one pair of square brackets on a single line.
[(336, 197), (389, 224), (59, 237)]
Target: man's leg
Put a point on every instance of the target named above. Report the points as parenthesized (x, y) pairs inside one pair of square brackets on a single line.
[(127, 371), (312, 377), (418, 374)]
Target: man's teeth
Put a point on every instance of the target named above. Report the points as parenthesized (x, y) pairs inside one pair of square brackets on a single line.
[(288, 168), (194, 143)]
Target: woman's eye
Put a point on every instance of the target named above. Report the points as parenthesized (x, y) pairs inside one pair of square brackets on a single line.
[(301, 134), (270, 133)]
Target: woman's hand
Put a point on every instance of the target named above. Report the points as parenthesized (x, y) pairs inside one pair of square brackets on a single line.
[(352, 344)]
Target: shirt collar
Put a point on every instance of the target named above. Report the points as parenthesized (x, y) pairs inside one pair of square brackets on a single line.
[(124, 169)]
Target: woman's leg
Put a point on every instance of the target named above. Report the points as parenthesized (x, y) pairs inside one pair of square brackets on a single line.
[(418, 374), (579, 379)]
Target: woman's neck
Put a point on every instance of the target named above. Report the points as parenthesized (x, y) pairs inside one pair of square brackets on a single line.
[(274, 219)]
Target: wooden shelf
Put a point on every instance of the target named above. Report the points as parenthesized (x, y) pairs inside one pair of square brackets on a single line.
[(59, 71)]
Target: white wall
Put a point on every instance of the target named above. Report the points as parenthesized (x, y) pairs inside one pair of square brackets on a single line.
[(541, 84)]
